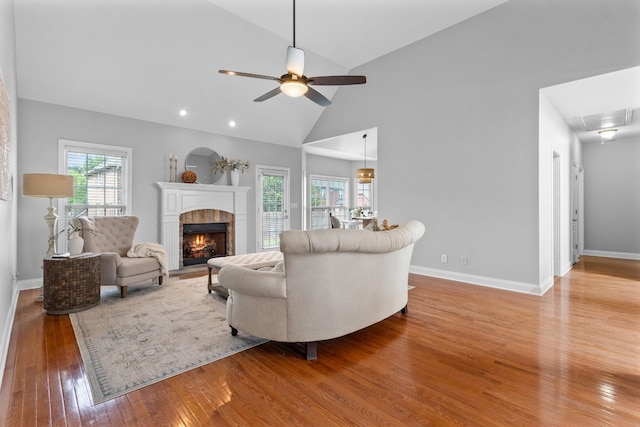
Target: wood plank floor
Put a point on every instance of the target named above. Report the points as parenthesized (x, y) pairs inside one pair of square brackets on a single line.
[(464, 355)]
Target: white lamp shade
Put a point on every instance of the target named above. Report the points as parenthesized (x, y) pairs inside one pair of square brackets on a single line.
[(47, 185), (608, 133)]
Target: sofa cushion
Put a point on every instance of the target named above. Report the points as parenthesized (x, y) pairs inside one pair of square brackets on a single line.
[(343, 240)]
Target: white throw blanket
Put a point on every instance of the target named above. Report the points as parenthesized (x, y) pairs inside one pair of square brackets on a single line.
[(147, 249)]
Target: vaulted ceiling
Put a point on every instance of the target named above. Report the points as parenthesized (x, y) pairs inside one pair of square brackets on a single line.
[(148, 59)]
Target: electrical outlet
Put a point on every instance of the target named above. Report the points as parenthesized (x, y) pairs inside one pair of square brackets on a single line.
[(464, 260), (444, 258)]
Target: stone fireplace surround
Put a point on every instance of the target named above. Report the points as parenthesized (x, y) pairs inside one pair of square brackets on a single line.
[(179, 198)]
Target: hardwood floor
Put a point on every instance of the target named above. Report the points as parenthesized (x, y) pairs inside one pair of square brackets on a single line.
[(464, 355)]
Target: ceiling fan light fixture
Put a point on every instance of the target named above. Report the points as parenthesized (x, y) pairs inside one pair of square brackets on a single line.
[(293, 88), (607, 133), (294, 83)]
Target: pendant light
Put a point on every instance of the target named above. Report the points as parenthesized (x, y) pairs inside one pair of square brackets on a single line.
[(365, 175)]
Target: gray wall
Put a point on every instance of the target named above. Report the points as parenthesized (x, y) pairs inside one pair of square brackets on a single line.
[(612, 196), (8, 208), (41, 125), (457, 119), (321, 165)]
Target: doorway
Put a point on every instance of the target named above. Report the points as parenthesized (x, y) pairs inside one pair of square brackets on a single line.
[(272, 201)]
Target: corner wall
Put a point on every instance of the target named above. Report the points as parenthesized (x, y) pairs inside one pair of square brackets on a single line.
[(457, 118), (8, 290)]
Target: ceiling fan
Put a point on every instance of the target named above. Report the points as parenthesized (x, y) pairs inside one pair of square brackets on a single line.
[(295, 83)]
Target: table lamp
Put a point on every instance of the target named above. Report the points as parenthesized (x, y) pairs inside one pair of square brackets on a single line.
[(52, 186)]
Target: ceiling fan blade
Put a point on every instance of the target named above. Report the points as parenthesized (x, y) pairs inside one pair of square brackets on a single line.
[(254, 76), (268, 95), (337, 80), (295, 61), (317, 97)]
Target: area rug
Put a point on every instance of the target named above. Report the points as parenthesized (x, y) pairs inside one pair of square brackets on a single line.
[(154, 333)]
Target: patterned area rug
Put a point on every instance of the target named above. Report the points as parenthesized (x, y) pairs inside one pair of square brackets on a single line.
[(154, 333)]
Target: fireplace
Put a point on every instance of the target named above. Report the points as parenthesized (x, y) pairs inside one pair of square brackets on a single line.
[(191, 204), (201, 242), (205, 234)]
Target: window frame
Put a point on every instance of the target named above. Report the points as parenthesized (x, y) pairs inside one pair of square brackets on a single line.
[(372, 189), (65, 145), (260, 171), (346, 197)]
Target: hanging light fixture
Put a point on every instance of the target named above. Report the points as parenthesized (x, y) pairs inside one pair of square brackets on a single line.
[(365, 175)]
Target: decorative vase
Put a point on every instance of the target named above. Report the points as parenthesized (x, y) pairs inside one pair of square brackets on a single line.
[(235, 177), (76, 243)]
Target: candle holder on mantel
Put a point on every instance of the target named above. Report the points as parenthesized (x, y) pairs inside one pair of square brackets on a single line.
[(173, 167)]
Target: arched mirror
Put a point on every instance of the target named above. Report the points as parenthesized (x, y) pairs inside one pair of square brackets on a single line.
[(200, 161)]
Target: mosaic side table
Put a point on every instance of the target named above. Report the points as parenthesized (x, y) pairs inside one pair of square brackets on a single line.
[(71, 284)]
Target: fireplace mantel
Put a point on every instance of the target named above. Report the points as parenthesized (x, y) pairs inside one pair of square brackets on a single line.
[(178, 198)]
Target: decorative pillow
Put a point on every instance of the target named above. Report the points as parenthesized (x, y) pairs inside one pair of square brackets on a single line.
[(372, 225), (386, 226)]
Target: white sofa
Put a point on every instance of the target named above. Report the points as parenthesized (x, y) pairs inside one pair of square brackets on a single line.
[(331, 283)]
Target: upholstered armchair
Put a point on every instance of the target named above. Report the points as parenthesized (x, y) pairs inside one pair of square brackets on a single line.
[(334, 221), (121, 265)]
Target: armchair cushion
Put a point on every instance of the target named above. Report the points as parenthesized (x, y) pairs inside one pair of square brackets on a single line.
[(109, 233)]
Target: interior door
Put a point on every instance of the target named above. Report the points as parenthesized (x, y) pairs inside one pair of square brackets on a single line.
[(272, 206), (575, 212)]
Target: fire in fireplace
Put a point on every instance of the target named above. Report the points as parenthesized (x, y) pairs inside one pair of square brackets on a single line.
[(200, 242)]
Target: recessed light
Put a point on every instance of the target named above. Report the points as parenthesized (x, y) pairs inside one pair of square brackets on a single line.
[(232, 123), (183, 113)]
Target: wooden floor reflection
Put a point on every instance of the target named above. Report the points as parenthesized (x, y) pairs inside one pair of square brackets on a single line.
[(464, 355)]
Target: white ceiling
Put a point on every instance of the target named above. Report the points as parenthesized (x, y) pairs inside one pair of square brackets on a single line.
[(598, 95), (147, 59)]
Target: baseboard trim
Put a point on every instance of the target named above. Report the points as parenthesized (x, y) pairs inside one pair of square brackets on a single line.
[(23, 285), (607, 254), (6, 334), (566, 268), (490, 282)]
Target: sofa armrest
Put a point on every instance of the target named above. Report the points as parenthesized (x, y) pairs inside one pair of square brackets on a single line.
[(268, 284), (109, 262)]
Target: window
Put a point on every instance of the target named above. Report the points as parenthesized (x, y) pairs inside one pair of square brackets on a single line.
[(364, 196), (102, 178), (328, 195), (273, 202)]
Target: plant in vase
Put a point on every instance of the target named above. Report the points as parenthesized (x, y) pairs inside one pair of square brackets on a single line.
[(75, 242), (234, 166)]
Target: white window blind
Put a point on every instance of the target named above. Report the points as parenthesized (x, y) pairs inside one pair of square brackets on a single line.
[(101, 179)]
